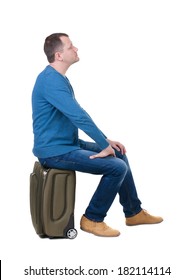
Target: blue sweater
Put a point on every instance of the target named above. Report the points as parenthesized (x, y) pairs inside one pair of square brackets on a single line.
[(57, 116)]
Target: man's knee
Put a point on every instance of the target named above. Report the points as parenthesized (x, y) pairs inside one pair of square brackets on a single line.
[(119, 167)]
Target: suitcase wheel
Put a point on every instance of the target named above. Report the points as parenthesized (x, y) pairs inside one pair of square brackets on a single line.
[(71, 233)]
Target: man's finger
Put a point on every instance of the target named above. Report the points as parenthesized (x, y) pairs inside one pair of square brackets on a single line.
[(92, 157)]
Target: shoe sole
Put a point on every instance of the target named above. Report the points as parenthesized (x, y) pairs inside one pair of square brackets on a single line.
[(140, 224), (99, 235)]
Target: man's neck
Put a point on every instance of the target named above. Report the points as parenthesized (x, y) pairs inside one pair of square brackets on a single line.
[(61, 68)]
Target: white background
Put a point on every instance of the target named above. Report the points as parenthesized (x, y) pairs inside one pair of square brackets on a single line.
[(135, 78)]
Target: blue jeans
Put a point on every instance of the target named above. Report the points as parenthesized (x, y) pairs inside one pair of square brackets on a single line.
[(116, 178)]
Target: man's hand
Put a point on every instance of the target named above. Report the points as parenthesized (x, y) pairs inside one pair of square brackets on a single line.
[(104, 153), (117, 146), (109, 151)]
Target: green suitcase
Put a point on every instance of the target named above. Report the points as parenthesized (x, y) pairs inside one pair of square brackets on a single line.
[(52, 202)]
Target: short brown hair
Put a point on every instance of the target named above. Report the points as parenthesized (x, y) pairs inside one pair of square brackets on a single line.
[(53, 44)]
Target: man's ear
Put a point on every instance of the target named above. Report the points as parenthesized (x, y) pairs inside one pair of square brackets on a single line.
[(58, 56)]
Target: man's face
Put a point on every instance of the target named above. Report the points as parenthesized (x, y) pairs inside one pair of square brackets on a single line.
[(69, 53)]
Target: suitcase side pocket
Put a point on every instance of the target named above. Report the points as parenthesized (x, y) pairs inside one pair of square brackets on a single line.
[(59, 202)]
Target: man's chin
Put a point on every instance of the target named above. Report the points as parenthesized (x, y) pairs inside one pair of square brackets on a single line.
[(76, 60)]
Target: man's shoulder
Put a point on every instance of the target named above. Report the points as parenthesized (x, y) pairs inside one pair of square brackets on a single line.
[(49, 72)]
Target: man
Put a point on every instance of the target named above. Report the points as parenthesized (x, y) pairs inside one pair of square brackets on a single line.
[(57, 116)]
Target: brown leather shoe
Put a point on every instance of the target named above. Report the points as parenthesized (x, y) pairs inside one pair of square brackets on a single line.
[(143, 217), (98, 228)]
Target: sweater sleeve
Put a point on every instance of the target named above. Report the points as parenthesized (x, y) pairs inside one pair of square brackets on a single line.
[(59, 93)]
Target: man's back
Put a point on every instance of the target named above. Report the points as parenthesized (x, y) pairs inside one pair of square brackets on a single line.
[(54, 132)]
